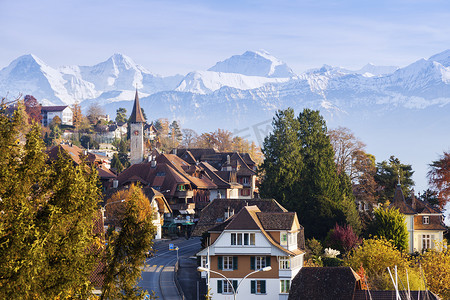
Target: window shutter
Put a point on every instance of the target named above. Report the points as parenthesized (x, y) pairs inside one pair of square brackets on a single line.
[(253, 287), (235, 284), (252, 262), (219, 286), (199, 261), (267, 261), (263, 286), (432, 241), (220, 262), (235, 262)]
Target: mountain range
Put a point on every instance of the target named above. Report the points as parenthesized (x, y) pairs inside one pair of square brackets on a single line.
[(395, 111)]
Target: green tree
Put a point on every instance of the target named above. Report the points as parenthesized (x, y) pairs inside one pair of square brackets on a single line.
[(121, 115), (116, 163), (389, 223), (127, 248), (283, 161), (299, 171), (326, 197), (48, 211), (387, 177)]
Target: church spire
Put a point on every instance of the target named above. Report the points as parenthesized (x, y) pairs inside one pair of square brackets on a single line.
[(136, 114)]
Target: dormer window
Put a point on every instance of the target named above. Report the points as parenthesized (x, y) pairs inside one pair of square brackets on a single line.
[(245, 239), (426, 219), (283, 238)]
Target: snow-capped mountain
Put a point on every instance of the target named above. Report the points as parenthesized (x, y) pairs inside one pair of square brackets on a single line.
[(117, 76), (254, 81), (254, 63)]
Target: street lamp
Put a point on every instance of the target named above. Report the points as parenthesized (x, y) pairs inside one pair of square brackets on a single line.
[(114, 202), (265, 269)]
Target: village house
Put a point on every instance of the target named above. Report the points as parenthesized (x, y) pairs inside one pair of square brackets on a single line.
[(260, 245), (64, 113), (238, 170), (425, 223)]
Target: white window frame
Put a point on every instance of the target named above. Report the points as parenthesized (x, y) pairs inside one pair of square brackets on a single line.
[(227, 263), (243, 239), (285, 286), (260, 262), (426, 220), (426, 241), (204, 261), (226, 287), (284, 263)]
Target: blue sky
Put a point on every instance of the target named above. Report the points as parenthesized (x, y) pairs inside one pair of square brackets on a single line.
[(169, 37)]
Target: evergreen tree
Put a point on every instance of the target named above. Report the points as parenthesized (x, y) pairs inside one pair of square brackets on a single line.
[(283, 162), (300, 172), (387, 177), (389, 223), (121, 115), (116, 164), (175, 134), (127, 248)]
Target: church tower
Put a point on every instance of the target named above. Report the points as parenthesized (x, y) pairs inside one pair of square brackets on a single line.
[(137, 133)]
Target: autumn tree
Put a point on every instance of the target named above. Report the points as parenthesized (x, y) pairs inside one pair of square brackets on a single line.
[(33, 109), (343, 238), (345, 146), (189, 138), (439, 178), (436, 268), (48, 211), (387, 177), (94, 112), (390, 224), (127, 248), (77, 115), (375, 256)]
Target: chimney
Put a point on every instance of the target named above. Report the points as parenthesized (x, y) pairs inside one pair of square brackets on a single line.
[(175, 151), (153, 164), (115, 183)]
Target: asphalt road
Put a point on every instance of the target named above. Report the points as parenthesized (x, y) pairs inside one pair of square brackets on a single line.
[(163, 258)]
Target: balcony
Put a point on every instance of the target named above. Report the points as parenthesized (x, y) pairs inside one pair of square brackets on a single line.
[(184, 194)]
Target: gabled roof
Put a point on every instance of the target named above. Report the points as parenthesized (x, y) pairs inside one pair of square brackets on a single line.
[(317, 283), (213, 213), (136, 114), (247, 219)]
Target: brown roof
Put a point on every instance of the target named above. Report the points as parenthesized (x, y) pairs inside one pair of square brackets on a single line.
[(105, 173), (73, 151), (247, 219), (320, 283), (136, 114), (213, 213), (53, 108), (400, 203), (435, 223), (276, 221)]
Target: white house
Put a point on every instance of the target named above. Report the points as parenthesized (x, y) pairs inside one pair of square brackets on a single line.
[(248, 242), (63, 112)]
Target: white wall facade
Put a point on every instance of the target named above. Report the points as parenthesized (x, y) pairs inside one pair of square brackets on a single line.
[(244, 292)]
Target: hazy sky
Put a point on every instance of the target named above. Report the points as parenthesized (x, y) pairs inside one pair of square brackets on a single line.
[(169, 37)]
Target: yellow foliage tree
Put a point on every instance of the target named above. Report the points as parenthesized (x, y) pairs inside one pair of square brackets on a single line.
[(436, 268), (375, 256)]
